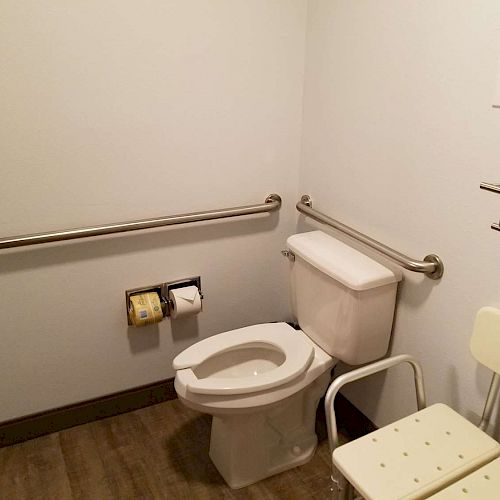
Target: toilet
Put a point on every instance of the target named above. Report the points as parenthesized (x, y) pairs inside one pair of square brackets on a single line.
[(262, 383)]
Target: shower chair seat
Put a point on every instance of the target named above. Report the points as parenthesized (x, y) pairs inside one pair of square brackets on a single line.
[(482, 484)]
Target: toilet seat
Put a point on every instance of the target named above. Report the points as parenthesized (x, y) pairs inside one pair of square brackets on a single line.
[(297, 351)]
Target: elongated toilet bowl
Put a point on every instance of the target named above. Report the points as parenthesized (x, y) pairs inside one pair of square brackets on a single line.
[(262, 384)]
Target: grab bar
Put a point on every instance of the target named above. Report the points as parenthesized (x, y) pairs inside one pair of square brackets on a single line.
[(488, 186), (494, 188), (271, 203), (432, 266)]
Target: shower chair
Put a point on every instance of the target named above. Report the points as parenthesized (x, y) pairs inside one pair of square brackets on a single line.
[(434, 453)]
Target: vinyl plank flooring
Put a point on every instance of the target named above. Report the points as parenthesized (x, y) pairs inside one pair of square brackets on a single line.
[(35, 470), (157, 452), (120, 447), (84, 467)]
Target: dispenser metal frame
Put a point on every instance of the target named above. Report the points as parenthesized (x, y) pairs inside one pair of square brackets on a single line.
[(163, 289)]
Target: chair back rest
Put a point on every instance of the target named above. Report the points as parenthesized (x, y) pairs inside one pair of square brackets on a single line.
[(485, 341)]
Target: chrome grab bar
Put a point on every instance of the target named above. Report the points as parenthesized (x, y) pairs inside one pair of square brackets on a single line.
[(432, 266), (271, 203), (494, 188)]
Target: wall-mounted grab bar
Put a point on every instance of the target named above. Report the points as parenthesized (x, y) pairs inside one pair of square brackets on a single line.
[(271, 203), (494, 188), (432, 265)]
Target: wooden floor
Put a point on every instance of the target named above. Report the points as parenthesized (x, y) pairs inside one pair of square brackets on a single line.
[(157, 452)]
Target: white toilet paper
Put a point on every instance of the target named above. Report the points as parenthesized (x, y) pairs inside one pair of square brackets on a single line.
[(186, 301)]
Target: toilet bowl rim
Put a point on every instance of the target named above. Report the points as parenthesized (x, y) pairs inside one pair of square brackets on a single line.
[(298, 357)]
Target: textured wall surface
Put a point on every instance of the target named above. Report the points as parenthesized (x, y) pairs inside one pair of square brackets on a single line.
[(111, 111), (398, 133), (118, 110)]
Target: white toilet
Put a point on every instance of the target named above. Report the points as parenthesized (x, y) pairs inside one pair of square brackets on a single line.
[(262, 383)]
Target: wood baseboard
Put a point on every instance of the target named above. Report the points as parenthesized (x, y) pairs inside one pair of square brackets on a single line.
[(39, 424), (351, 421)]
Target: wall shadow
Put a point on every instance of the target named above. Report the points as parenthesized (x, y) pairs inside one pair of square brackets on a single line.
[(142, 339), (184, 328), (187, 450)]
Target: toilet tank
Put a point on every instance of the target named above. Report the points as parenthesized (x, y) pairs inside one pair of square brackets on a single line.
[(343, 300)]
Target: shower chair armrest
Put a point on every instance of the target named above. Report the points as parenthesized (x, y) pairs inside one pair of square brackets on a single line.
[(363, 372)]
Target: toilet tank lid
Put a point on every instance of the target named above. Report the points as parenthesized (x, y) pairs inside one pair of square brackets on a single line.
[(340, 261)]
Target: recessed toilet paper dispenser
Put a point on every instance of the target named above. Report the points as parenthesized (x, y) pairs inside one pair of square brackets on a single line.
[(176, 299)]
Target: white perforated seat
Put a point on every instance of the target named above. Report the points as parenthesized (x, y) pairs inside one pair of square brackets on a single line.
[(415, 456), (483, 484), (297, 354)]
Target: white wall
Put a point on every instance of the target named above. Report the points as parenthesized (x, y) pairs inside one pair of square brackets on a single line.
[(112, 111), (398, 133), (118, 110)]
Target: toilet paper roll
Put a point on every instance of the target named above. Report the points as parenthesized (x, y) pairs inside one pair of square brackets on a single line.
[(145, 309), (186, 301)]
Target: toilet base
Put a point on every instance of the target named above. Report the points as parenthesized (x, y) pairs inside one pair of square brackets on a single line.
[(248, 447)]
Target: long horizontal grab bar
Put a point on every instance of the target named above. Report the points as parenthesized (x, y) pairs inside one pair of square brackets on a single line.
[(494, 188), (271, 203), (432, 265)]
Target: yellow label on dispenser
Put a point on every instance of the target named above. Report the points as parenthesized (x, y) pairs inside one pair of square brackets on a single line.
[(145, 309)]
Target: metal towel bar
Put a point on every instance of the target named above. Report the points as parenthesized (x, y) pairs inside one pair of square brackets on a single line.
[(432, 266), (494, 188), (271, 203)]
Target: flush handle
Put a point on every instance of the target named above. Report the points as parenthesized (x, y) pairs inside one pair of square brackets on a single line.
[(288, 254)]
